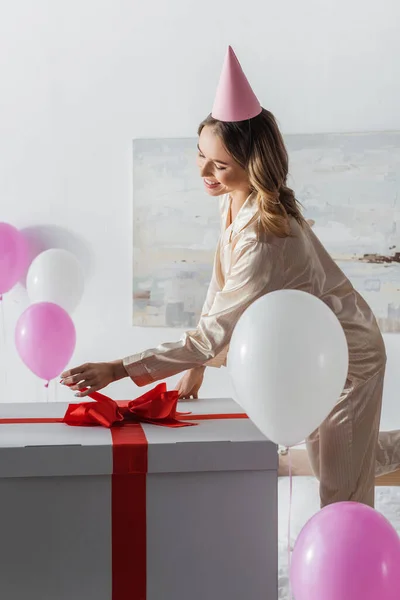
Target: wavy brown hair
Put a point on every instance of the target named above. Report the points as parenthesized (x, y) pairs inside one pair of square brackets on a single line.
[(258, 147)]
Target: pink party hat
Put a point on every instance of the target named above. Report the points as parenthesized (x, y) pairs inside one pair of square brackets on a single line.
[(235, 100)]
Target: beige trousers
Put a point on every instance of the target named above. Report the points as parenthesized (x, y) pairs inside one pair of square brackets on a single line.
[(347, 451)]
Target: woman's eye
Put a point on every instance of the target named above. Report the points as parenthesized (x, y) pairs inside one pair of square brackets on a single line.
[(220, 168)]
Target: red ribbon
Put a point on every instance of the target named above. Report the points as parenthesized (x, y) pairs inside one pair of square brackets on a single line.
[(157, 407), (128, 484), (128, 489)]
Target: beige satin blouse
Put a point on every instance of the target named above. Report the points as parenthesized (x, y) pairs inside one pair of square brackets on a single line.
[(249, 263)]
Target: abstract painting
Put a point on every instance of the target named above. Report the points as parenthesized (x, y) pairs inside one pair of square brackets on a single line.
[(349, 185)]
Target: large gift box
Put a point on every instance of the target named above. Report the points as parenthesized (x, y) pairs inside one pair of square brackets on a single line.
[(138, 510)]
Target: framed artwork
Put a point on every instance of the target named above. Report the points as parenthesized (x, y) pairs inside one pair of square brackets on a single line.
[(349, 185)]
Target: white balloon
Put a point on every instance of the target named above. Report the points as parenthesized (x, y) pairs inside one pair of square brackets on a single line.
[(288, 361), (56, 276)]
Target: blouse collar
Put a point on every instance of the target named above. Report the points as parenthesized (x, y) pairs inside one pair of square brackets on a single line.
[(245, 215)]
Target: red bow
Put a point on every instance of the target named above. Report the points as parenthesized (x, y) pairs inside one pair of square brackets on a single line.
[(158, 407)]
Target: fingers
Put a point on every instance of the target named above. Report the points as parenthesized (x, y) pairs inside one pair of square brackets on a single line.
[(88, 378), (189, 386), (196, 392), (188, 393), (88, 383), (73, 380), (94, 388), (185, 395), (74, 371), (81, 380), (193, 395), (75, 376)]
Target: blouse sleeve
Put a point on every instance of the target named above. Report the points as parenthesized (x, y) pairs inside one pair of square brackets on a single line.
[(214, 288), (255, 271)]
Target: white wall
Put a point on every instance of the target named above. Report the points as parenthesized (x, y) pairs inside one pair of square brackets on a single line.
[(80, 79)]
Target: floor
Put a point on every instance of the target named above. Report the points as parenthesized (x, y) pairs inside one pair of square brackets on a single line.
[(306, 503)]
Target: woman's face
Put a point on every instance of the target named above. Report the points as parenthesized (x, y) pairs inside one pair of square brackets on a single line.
[(220, 172)]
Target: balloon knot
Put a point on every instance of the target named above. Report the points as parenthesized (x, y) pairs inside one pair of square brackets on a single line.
[(46, 385)]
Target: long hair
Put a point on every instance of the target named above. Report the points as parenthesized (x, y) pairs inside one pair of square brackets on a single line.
[(258, 147)]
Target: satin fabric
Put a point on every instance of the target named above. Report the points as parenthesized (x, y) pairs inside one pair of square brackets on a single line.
[(157, 407), (250, 262)]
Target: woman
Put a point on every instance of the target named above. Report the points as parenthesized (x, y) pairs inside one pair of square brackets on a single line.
[(266, 245)]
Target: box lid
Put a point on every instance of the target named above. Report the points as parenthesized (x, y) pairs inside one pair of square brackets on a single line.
[(56, 449)]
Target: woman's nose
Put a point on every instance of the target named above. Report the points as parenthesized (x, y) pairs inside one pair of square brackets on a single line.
[(205, 169)]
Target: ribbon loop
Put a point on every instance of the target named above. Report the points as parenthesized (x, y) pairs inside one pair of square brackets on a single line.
[(158, 407)]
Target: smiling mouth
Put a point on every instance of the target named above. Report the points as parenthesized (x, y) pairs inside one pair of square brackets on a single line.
[(211, 184)]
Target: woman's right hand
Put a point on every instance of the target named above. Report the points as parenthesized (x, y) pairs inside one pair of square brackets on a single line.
[(190, 384)]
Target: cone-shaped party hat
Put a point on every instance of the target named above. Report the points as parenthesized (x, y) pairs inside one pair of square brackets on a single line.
[(235, 100)]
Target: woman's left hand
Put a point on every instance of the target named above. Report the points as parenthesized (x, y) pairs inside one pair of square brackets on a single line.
[(190, 384), (94, 376)]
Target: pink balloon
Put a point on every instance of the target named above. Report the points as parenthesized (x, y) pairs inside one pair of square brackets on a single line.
[(13, 257), (45, 338), (347, 551)]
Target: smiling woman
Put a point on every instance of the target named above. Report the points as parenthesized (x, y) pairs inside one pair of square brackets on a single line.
[(220, 173), (265, 245), (249, 156)]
